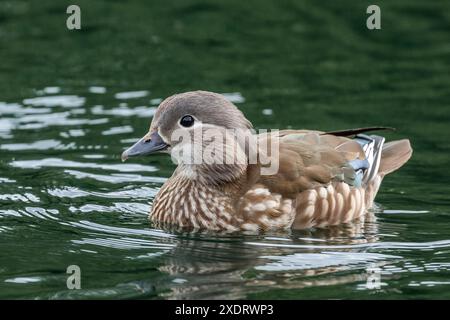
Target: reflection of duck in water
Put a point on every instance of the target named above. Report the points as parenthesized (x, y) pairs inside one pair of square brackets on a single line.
[(231, 267), (320, 179)]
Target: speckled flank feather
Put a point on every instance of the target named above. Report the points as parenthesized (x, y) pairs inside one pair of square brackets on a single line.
[(262, 209), (332, 205)]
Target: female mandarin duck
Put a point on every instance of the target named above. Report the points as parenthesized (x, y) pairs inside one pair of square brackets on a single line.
[(321, 179)]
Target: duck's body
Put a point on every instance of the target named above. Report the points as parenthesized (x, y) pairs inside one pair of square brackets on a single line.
[(322, 179)]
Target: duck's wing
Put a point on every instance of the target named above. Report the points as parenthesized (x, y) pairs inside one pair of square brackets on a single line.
[(355, 131), (310, 163), (308, 159)]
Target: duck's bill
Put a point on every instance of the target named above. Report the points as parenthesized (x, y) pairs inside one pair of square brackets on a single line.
[(149, 144)]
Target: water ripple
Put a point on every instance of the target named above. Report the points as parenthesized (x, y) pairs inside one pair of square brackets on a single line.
[(302, 261), (22, 280), (131, 94), (117, 130), (376, 245), (85, 224), (97, 89), (26, 197), (116, 177), (31, 212), (18, 110), (125, 207), (124, 243), (124, 111), (73, 192), (61, 163), (69, 101), (38, 145)]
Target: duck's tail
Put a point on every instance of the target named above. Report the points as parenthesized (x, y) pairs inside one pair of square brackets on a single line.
[(394, 155), (383, 158)]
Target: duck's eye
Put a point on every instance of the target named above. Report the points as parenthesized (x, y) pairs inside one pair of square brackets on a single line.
[(187, 121)]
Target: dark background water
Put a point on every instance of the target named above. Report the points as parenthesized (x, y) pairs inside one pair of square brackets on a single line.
[(69, 107)]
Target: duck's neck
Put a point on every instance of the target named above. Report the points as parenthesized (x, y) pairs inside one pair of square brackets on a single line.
[(200, 197)]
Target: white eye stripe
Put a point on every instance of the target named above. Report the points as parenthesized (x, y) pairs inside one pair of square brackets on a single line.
[(197, 124)]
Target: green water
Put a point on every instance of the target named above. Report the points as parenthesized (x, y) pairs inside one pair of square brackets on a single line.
[(66, 199)]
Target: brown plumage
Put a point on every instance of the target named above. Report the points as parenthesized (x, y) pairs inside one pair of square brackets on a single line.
[(322, 178)]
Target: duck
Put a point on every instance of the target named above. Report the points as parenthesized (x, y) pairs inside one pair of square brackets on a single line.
[(225, 180)]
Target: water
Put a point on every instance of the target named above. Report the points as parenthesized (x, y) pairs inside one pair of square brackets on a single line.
[(72, 101)]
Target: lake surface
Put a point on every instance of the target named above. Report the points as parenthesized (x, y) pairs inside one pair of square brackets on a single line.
[(72, 101)]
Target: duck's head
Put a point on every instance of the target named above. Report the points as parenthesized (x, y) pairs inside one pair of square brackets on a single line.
[(179, 116)]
